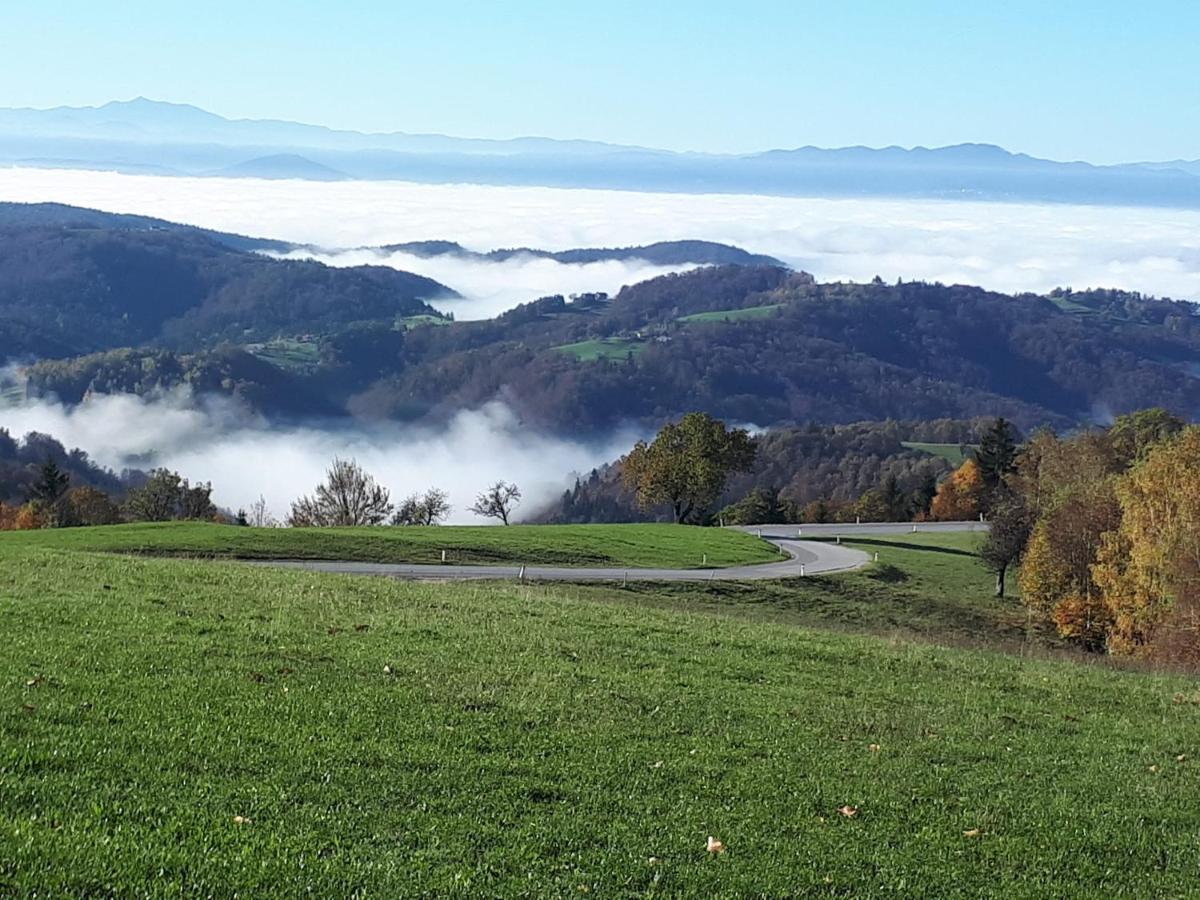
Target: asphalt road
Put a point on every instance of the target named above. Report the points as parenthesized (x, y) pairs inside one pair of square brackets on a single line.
[(798, 557)]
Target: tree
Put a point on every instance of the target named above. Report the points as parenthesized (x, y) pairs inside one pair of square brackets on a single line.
[(51, 484), (687, 464), (348, 496), (260, 514), (497, 502), (895, 504), (759, 507), (959, 497), (1012, 522), (91, 506), (429, 508), (997, 454), (1148, 568), (157, 500), (1134, 434), (195, 501)]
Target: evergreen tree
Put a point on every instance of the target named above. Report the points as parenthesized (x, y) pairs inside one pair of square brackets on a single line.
[(51, 484), (997, 453)]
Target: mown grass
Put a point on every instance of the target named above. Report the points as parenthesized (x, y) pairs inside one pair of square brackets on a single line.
[(952, 453), (392, 739), (669, 546), (734, 315), (603, 348)]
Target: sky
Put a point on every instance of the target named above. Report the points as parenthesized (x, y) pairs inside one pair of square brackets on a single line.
[(1104, 81)]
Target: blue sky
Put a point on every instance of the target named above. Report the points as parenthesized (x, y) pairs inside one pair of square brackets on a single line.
[(1103, 80)]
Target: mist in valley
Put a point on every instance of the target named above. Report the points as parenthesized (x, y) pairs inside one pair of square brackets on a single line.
[(207, 438)]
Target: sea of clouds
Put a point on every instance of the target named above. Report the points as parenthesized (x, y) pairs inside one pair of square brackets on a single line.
[(1007, 247)]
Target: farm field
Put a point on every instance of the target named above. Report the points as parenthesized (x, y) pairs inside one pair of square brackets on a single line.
[(603, 348)]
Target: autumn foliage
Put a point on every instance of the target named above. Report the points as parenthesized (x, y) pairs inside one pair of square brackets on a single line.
[(1113, 560), (960, 497)]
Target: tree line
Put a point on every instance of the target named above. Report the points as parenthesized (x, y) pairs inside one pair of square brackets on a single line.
[(1104, 525)]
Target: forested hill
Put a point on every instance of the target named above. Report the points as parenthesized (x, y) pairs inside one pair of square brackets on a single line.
[(76, 281), (756, 345), (663, 253)]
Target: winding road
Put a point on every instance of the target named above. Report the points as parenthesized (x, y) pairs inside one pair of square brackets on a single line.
[(801, 557)]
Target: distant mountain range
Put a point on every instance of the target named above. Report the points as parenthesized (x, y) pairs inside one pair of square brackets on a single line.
[(148, 137)]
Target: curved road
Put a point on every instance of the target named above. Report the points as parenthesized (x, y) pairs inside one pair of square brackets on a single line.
[(803, 557)]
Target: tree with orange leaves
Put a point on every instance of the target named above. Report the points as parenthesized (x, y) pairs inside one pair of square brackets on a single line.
[(960, 497)]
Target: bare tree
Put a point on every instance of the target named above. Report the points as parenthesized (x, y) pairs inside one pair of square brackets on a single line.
[(260, 514), (429, 508), (498, 501), (349, 496)]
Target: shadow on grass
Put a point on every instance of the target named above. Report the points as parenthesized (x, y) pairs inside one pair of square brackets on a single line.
[(875, 542)]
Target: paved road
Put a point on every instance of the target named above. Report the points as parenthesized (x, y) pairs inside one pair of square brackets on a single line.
[(799, 557)]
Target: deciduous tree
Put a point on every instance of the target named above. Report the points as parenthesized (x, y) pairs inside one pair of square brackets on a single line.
[(687, 464), (497, 502), (348, 496)]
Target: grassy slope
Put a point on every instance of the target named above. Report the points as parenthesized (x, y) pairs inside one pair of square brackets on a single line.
[(603, 545), (603, 348), (733, 315), (930, 586), (524, 743), (952, 453)]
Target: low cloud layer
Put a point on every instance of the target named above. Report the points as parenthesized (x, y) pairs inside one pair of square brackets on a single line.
[(209, 439), (1009, 247), (490, 288)]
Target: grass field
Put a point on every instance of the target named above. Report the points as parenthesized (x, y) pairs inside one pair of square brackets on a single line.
[(734, 315), (564, 545), (410, 322), (293, 355), (170, 726), (952, 453), (603, 348), (926, 586)]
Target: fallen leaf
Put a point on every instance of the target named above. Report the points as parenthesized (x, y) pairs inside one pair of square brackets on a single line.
[(361, 627), (28, 707), (387, 670), (715, 846), (1154, 769), (848, 811), (657, 765), (334, 630), (240, 820), (874, 748), (1182, 757), (972, 833)]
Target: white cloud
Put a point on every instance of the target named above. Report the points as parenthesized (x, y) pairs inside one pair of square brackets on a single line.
[(490, 288), (213, 440), (1009, 247)]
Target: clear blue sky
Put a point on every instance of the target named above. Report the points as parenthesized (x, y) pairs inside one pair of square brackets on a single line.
[(1102, 80)]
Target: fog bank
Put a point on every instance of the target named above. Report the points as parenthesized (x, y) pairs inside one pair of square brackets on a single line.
[(490, 288), (210, 439)]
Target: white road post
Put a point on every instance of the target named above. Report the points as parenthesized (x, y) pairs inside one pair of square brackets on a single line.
[(801, 570), (443, 557), (521, 574)]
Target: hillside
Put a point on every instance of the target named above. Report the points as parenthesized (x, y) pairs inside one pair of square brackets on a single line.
[(752, 344), (361, 735), (68, 287)]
